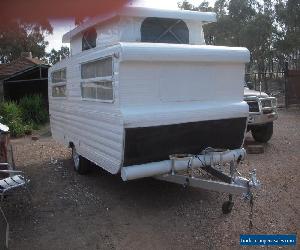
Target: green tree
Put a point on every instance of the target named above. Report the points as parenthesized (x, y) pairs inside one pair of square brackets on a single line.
[(18, 36), (245, 23), (204, 7), (288, 36), (56, 55), (220, 7)]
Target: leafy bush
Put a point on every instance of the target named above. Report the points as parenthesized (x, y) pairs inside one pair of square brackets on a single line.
[(12, 117), (22, 118), (33, 110)]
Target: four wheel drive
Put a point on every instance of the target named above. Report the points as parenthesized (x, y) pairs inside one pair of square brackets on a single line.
[(262, 113)]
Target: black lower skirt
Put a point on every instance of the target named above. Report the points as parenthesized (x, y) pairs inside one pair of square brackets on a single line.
[(150, 144)]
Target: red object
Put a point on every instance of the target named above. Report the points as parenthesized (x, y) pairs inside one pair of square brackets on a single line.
[(4, 141), (38, 10)]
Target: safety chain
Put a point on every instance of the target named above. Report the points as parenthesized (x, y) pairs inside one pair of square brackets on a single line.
[(251, 210)]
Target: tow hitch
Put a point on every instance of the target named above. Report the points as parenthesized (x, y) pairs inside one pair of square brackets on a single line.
[(215, 162)]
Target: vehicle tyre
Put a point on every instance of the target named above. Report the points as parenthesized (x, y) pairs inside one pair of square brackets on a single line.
[(262, 133), (227, 207), (81, 165)]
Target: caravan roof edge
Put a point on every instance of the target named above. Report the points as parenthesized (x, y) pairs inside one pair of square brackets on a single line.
[(204, 17), (183, 52)]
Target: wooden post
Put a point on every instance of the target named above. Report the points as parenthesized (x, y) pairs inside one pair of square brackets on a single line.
[(4, 141)]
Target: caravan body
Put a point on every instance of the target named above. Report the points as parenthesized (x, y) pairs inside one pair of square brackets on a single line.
[(141, 85)]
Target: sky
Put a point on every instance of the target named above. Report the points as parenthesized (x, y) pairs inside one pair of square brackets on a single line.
[(60, 27)]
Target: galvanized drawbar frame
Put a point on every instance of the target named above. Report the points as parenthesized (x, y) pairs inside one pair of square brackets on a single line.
[(209, 160)]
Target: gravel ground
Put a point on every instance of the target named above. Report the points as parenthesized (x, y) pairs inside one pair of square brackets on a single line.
[(99, 211)]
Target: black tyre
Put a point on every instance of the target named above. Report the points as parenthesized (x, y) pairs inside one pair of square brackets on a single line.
[(81, 165), (227, 207), (262, 133)]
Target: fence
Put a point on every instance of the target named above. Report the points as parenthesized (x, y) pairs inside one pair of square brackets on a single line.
[(284, 85), (273, 83), (292, 88)]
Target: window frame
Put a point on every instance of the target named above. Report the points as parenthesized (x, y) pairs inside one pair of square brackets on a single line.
[(166, 30), (59, 84), (96, 99), (95, 60), (83, 37), (99, 79)]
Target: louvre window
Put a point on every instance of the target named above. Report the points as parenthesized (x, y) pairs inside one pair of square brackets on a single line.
[(59, 76), (99, 68), (89, 39), (59, 81), (97, 90), (164, 30), (59, 91), (97, 80)]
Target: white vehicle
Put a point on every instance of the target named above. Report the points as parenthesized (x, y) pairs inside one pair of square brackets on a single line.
[(143, 95), (262, 113)]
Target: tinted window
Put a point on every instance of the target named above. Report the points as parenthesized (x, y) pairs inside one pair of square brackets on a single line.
[(89, 39), (164, 30)]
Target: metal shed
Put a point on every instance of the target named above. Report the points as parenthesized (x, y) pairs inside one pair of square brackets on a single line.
[(24, 76)]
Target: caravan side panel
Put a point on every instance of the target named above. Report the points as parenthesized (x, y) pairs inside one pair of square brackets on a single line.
[(93, 126)]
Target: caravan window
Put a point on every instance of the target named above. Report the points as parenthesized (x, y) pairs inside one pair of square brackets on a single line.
[(98, 68), (97, 79), (59, 76), (164, 30), (89, 39), (59, 91), (97, 90), (59, 81)]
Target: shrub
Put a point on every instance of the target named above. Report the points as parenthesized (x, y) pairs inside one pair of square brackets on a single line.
[(11, 116), (33, 110), (22, 118)]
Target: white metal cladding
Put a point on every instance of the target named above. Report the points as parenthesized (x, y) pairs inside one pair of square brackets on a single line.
[(154, 84), (128, 29), (169, 84), (143, 12), (95, 127), (108, 34), (126, 26), (197, 16), (183, 52)]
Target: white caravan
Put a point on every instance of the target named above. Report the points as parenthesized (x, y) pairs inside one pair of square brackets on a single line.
[(143, 95)]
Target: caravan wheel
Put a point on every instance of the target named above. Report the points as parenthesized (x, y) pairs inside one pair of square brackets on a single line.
[(81, 165)]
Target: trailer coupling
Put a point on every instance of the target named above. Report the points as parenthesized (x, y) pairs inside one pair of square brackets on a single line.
[(185, 169), (232, 182), (239, 185)]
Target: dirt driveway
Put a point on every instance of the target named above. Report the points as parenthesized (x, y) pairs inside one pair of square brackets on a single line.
[(99, 211)]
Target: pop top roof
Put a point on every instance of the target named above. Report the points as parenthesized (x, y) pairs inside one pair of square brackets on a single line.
[(143, 12)]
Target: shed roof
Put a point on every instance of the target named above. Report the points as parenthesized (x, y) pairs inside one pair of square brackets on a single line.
[(19, 65), (133, 11)]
